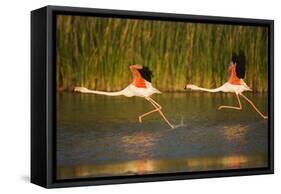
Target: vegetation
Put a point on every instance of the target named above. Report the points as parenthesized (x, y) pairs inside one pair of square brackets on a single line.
[(96, 52)]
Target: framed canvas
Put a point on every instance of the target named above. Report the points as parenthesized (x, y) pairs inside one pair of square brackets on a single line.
[(126, 96)]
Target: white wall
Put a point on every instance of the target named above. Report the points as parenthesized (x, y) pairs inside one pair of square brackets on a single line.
[(15, 105)]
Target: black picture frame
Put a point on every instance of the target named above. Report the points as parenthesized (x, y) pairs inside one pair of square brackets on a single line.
[(43, 98)]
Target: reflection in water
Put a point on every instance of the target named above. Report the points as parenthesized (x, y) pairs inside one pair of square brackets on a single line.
[(235, 132), (100, 136), (235, 135), (140, 144), (162, 166)]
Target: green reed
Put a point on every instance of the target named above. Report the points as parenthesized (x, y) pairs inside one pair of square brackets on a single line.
[(96, 52)]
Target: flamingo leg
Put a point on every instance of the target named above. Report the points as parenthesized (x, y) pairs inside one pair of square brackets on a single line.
[(233, 107), (145, 114), (158, 108), (152, 111), (250, 102)]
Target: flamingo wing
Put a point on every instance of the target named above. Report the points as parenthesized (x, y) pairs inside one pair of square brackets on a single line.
[(146, 73), (240, 65)]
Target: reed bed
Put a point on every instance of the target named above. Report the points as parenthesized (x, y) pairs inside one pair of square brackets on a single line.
[(96, 52)]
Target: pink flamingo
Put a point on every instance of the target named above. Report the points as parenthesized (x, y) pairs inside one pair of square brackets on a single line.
[(235, 83), (141, 87)]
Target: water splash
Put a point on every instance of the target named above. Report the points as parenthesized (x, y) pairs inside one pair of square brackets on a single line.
[(181, 124)]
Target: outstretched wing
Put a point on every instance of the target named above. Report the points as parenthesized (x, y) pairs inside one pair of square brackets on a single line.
[(240, 65)]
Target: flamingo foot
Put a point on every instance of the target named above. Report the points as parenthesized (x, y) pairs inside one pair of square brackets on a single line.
[(171, 125), (221, 107), (229, 107), (140, 119)]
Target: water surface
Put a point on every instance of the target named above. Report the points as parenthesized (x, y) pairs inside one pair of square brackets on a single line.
[(101, 136)]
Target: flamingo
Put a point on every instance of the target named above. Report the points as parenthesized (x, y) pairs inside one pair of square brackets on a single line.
[(235, 83), (141, 87)]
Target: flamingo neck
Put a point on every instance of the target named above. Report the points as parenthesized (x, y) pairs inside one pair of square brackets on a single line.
[(119, 93), (209, 90), (196, 88)]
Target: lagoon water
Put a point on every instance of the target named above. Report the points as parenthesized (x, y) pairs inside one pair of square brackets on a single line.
[(101, 136)]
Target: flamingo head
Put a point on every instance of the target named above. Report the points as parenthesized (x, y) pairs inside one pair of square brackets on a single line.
[(191, 86), (80, 89)]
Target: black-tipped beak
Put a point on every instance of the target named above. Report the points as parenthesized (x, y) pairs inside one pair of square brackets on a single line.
[(184, 88)]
